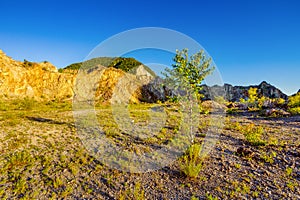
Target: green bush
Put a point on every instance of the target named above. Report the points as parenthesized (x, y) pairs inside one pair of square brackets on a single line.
[(27, 63), (294, 104), (253, 134)]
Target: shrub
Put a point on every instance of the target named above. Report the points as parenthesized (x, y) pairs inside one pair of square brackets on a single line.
[(27, 63), (294, 104), (137, 193), (191, 163), (253, 135), (220, 100)]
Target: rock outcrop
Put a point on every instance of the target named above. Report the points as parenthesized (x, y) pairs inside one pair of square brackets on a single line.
[(42, 81), (36, 80), (235, 93)]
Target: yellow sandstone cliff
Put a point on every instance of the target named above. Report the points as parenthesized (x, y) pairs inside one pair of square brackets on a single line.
[(42, 81)]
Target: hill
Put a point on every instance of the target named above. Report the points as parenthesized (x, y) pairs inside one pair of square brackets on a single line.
[(42, 81)]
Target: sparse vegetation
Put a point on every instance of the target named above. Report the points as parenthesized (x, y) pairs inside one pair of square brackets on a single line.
[(253, 135), (125, 64), (43, 157)]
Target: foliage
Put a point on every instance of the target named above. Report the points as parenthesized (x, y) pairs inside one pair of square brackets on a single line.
[(252, 93), (188, 72), (294, 104), (254, 102), (268, 158), (294, 101), (295, 111), (27, 63), (210, 197), (137, 193), (253, 134), (74, 66), (191, 163), (125, 64)]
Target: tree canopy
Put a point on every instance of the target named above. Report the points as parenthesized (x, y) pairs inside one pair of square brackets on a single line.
[(188, 72)]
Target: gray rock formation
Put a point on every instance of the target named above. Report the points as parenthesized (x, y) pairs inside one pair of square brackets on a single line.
[(235, 93)]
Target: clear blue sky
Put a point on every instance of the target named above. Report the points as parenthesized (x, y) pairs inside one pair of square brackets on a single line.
[(249, 40)]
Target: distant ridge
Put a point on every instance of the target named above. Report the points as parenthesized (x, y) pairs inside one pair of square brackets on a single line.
[(235, 93)]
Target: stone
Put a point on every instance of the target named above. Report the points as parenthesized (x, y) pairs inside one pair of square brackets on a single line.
[(275, 112), (244, 151)]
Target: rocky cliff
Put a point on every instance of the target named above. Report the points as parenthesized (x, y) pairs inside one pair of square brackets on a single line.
[(235, 93), (42, 81), (30, 79)]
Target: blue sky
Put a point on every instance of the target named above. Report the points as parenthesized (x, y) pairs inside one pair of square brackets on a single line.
[(250, 41)]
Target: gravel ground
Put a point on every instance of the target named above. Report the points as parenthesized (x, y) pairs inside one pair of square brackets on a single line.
[(42, 157)]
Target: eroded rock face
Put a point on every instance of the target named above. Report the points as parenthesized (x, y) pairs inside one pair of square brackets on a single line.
[(42, 81), (37, 80), (235, 93)]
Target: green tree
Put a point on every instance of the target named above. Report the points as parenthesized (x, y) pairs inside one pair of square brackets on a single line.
[(188, 72), (184, 79)]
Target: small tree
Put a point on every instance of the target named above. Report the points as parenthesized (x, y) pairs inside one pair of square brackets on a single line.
[(185, 79)]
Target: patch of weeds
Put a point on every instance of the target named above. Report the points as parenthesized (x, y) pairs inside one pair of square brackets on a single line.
[(74, 169), (235, 126), (20, 186), (67, 191), (203, 178), (194, 198), (19, 160), (291, 185), (137, 193), (255, 194), (268, 158), (210, 197), (237, 165), (57, 182), (231, 111), (191, 163), (245, 188), (272, 141), (253, 135), (288, 171)]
